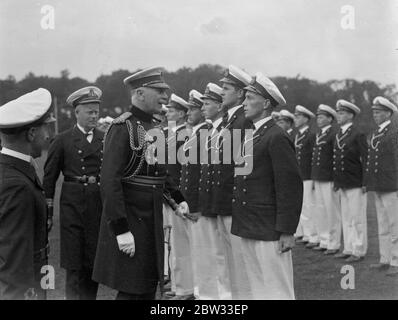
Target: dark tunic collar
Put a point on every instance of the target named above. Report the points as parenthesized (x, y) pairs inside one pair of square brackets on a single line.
[(142, 115)]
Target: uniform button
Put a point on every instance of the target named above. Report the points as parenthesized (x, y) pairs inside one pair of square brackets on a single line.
[(375, 170), (317, 163), (218, 171), (156, 173), (233, 200), (244, 190), (377, 150), (80, 151), (234, 187), (367, 170), (334, 162), (334, 168), (83, 168), (334, 156), (186, 188), (98, 183), (244, 203), (376, 163), (200, 180), (212, 183), (244, 177), (334, 150), (207, 190), (208, 165), (85, 184), (342, 169), (218, 183), (186, 180), (199, 188), (153, 186), (82, 160)]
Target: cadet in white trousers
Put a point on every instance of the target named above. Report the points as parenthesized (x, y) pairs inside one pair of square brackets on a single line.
[(326, 214), (381, 177), (267, 201), (304, 142), (348, 166)]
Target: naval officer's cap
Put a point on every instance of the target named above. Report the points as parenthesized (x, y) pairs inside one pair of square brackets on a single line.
[(264, 87), (285, 114), (147, 78), (345, 105), (326, 110), (304, 111), (177, 102), (86, 95), (29, 110), (382, 103), (236, 77), (195, 99), (212, 92)]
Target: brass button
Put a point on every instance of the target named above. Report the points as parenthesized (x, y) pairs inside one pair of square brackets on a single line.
[(234, 187), (83, 168), (80, 151), (244, 203), (233, 200), (82, 160)]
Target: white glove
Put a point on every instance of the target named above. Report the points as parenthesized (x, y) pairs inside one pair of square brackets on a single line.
[(126, 243), (184, 208)]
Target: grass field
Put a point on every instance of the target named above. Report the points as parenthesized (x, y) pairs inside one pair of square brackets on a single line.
[(315, 275)]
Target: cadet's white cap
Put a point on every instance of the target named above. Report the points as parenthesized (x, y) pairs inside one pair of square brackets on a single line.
[(304, 111), (286, 114), (31, 108), (212, 92), (347, 106), (263, 86), (235, 76), (323, 108), (381, 102), (177, 102), (195, 98)]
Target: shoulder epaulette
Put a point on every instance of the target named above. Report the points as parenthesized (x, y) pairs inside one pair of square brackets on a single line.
[(122, 118)]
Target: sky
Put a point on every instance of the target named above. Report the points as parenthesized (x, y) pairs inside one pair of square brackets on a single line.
[(275, 37)]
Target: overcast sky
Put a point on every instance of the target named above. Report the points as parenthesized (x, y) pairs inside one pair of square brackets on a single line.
[(276, 37)]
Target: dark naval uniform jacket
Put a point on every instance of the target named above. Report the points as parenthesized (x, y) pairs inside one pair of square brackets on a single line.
[(348, 159), (304, 144), (80, 203), (322, 155), (206, 181), (381, 164), (174, 169), (291, 134), (223, 178), (267, 202), (23, 230), (132, 189), (190, 171)]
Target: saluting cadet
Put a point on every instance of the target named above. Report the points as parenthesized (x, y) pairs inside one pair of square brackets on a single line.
[(267, 202), (286, 122), (190, 175), (23, 211), (326, 214), (181, 260), (213, 282), (130, 252), (233, 94), (348, 167), (381, 177), (77, 153), (304, 144)]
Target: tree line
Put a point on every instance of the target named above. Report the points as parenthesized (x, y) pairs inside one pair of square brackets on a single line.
[(298, 90)]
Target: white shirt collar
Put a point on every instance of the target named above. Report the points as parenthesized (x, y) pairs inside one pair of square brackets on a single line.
[(216, 123), (82, 129), (383, 125), (195, 128), (17, 155), (323, 130), (259, 123), (345, 127), (303, 129), (174, 129), (232, 111)]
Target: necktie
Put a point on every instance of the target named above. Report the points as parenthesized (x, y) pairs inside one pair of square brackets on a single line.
[(89, 136)]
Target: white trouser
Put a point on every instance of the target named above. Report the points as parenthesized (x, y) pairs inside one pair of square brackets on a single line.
[(353, 214), (327, 215), (387, 220), (306, 227), (181, 262), (239, 281), (270, 273), (210, 271), (167, 214)]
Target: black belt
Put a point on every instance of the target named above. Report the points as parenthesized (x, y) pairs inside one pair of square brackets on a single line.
[(146, 181), (82, 179)]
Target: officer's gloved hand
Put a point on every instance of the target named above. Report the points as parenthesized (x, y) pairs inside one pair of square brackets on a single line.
[(126, 243), (184, 207), (286, 242)]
